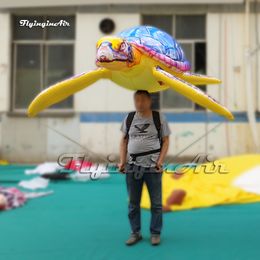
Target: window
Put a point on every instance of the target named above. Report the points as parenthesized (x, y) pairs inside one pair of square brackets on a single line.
[(189, 31), (41, 57)]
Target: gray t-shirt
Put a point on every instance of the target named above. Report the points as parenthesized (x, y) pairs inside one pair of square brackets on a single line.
[(143, 136)]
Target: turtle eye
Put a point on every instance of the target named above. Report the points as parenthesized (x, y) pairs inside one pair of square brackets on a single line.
[(122, 46)]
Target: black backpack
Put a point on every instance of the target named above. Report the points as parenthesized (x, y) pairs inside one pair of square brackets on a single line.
[(156, 120)]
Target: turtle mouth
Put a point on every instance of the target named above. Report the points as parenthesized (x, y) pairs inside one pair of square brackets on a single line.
[(104, 59), (106, 54)]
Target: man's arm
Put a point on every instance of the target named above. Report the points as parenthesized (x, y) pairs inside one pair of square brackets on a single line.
[(164, 150), (122, 153)]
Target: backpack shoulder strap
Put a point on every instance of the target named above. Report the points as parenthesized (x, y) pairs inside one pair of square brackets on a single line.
[(157, 122), (129, 121)]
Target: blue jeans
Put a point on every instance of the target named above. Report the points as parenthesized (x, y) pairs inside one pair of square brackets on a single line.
[(135, 177)]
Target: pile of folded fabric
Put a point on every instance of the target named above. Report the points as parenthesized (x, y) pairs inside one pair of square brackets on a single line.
[(11, 197), (76, 170)]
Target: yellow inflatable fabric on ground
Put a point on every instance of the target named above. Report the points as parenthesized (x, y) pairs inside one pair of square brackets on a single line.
[(207, 189)]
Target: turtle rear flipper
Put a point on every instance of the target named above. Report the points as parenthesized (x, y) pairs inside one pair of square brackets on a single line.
[(62, 90), (191, 92), (198, 79)]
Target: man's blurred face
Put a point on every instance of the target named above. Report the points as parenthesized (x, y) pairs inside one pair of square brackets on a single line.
[(142, 102)]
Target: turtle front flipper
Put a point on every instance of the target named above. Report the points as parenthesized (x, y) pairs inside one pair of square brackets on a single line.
[(64, 89), (198, 79), (191, 92)]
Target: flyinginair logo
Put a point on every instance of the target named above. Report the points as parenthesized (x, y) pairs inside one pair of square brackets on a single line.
[(48, 23), (201, 164)]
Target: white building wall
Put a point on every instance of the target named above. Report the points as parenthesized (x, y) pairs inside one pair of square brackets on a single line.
[(5, 59), (255, 39), (31, 140), (226, 60), (4, 70), (183, 135), (23, 139)]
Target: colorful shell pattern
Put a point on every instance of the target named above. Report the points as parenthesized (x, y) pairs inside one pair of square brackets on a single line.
[(158, 45)]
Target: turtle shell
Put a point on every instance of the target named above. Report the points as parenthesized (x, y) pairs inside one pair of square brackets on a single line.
[(158, 45)]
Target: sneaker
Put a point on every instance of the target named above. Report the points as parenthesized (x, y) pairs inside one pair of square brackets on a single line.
[(133, 239), (155, 239)]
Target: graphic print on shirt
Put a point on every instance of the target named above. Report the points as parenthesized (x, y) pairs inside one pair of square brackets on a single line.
[(143, 128)]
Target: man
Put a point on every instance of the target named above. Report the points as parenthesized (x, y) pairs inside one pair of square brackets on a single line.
[(143, 147)]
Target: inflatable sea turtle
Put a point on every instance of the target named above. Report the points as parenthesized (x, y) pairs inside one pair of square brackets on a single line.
[(141, 57)]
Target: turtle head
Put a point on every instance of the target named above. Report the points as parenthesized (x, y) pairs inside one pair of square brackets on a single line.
[(115, 53)]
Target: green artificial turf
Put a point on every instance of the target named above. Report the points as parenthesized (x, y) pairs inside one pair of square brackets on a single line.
[(89, 221)]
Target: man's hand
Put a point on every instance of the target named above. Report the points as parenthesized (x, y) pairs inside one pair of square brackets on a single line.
[(121, 167), (165, 145), (159, 166)]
